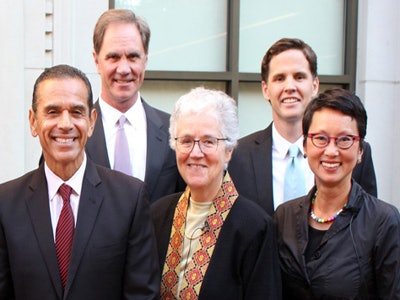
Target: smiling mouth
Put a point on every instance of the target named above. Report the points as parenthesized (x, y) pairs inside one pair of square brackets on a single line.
[(120, 81), (64, 140), (330, 165), (290, 100), (196, 166)]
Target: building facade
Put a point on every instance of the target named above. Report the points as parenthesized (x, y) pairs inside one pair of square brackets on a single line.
[(41, 33)]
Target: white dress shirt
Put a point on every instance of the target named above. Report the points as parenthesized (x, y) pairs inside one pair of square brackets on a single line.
[(56, 202), (135, 130), (280, 158)]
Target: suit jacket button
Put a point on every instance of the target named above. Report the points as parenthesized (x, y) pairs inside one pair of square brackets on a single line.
[(317, 255)]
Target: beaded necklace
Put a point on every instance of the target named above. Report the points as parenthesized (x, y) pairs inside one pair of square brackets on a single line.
[(319, 220)]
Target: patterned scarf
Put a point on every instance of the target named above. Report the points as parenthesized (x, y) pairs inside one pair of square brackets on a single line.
[(197, 268)]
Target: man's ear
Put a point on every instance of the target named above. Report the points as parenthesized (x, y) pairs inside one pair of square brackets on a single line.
[(32, 122), (95, 58), (315, 87), (92, 120), (265, 91)]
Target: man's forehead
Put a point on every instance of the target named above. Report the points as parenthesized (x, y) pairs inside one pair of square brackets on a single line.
[(62, 89)]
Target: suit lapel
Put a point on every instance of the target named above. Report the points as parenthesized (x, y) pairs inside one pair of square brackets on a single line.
[(39, 213), (157, 142), (89, 206), (262, 156), (96, 147)]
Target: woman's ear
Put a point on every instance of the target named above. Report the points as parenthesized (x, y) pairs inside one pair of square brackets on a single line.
[(360, 153)]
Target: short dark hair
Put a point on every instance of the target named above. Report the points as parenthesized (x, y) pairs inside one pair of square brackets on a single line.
[(285, 44), (120, 16), (62, 72), (340, 100)]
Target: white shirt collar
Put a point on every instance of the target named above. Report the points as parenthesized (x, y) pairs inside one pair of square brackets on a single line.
[(281, 145), (54, 182), (135, 115)]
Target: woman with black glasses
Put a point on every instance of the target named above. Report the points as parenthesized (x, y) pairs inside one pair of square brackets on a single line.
[(338, 242), (212, 242)]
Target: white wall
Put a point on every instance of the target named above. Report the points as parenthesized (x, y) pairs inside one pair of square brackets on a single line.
[(13, 119), (23, 26), (378, 84), (23, 57)]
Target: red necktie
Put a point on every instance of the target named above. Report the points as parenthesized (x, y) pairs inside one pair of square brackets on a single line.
[(64, 233)]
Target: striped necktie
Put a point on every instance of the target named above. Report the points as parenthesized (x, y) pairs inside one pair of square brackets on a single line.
[(64, 233)]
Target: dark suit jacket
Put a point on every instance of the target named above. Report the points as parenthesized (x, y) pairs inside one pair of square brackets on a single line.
[(245, 263), (114, 251), (251, 169), (162, 177)]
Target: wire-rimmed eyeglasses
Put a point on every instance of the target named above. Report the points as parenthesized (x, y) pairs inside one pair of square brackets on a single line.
[(209, 144), (321, 140)]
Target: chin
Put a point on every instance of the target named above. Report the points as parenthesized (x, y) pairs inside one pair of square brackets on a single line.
[(196, 184)]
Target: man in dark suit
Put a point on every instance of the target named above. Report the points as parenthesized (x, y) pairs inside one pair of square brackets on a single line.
[(121, 42), (111, 253), (289, 82)]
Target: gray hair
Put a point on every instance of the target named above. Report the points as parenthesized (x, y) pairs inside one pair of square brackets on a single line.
[(200, 100)]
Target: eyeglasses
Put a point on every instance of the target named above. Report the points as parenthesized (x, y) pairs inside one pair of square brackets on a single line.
[(207, 145), (321, 140)]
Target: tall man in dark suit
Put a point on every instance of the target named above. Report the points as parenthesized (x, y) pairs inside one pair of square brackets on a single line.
[(108, 251), (289, 82), (121, 44)]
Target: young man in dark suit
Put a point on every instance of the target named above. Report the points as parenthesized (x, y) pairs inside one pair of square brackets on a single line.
[(121, 44), (289, 82), (95, 242)]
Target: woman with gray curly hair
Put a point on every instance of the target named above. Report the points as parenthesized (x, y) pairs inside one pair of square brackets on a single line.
[(212, 242)]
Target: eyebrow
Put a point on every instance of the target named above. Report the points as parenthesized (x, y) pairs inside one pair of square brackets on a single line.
[(135, 53), (80, 107), (206, 136), (112, 54), (285, 74), (306, 74), (130, 54), (55, 106)]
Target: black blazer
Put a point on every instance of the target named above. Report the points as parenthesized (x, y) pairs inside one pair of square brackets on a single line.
[(162, 177), (251, 169), (245, 263), (114, 251)]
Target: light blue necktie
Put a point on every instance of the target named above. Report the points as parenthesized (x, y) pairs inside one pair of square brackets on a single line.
[(122, 160), (294, 176)]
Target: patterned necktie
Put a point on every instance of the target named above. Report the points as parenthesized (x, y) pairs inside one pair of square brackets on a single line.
[(122, 161), (294, 177), (64, 233)]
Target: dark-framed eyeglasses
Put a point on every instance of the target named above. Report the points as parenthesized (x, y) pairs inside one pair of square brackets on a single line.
[(321, 140), (207, 145)]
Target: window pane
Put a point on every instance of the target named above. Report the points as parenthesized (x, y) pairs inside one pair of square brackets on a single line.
[(320, 23), (164, 94), (186, 35), (254, 111)]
